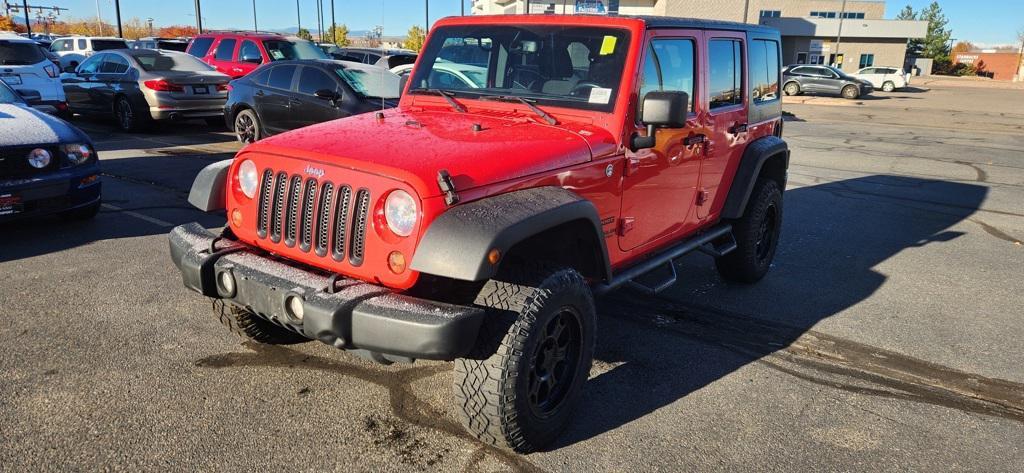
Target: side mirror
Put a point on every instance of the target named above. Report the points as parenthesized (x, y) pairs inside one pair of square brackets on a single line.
[(327, 94), (30, 96), (660, 110), (70, 69), (403, 80), (252, 59)]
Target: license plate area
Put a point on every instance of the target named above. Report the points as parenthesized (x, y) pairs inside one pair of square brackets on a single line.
[(200, 89), (10, 204), (11, 79)]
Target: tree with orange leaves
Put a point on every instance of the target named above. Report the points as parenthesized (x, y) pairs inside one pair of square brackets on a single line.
[(8, 24), (177, 31)]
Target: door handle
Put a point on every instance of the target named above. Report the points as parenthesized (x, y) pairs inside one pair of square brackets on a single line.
[(694, 140), (236, 69), (259, 93), (738, 128)]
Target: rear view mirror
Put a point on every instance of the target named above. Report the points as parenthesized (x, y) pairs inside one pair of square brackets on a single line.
[(661, 110)]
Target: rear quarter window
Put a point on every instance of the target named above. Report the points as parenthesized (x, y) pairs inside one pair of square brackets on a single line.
[(764, 70), (17, 53), (200, 46), (225, 50)]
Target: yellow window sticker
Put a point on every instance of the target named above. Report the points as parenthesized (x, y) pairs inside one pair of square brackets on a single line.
[(608, 45)]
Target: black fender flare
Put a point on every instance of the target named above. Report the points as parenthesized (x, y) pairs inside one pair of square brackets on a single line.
[(457, 243), (207, 193), (754, 157)]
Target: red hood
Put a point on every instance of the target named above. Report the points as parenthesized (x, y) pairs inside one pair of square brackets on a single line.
[(412, 145)]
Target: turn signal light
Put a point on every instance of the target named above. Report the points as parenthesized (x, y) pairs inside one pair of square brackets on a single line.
[(162, 85), (396, 262), (236, 218)]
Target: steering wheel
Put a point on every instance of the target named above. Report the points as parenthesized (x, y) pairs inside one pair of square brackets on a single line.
[(537, 76), (583, 85)]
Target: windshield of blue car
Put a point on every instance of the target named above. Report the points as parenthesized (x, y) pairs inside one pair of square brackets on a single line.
[(7, 95), (20, 53), (370, 81), (152, 61), (565, 66), (291, 49)]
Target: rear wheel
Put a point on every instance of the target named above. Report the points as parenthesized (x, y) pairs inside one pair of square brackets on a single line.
[(792, 88), (757, 235), (519, 385), (851, 92), (129, 118), (888, 86), (248, 325), (247, 127)]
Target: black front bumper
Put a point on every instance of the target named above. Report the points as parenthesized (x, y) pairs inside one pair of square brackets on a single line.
[(357, 315)]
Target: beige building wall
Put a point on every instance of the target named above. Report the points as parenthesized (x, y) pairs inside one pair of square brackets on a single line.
[(729, 10), (888, 52)]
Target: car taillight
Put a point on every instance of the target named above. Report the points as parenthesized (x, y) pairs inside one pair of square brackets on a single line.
[(224, 87), (51, 71), (162, 85)]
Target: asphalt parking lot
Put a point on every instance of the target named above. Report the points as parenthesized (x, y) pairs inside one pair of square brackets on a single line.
[(888, 335)]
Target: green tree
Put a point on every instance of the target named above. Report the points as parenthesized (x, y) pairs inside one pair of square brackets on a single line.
[(340, 35), (935, 44), (415, 38), (907, 13), (304, 34)]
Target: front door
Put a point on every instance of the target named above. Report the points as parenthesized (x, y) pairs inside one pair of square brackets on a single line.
[(272, 100), (79, 88), (660, 183), (727, 118), (314, 109)]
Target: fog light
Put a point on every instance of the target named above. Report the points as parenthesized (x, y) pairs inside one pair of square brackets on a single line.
[(236, 217), (396, 262), (227, 283), (293, 306)]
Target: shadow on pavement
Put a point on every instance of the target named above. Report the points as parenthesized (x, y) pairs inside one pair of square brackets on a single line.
[(834, 235)]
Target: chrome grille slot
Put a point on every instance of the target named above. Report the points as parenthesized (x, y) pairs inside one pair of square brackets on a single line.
[(276, 217), (306, 231), (263, 216), (323, 224), (340, 221), (292, 217), (359, 227)]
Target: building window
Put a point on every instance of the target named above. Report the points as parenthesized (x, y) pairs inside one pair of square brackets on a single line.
[(771, 13), (823, 14), (853, 15), (866, 60)]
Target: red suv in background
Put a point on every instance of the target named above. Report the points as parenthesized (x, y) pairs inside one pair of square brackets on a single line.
[(237, 53)]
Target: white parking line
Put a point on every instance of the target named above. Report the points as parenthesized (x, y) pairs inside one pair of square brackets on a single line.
[(132, 213)]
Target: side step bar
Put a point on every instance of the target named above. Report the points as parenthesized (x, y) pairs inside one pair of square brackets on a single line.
[(667, 257)]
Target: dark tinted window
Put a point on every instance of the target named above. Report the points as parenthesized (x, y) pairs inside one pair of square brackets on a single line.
[(313, 79), (92, 65), (105, 44), (726, 74), (249, 52), (764, 70), (172, 45), (401, 60), (225, 49), (114, 64), (289, 49), (372, 58), (260, 75), (17, 53), (81, 44), (153, 61), (281, 77), (351, 56), (668, 66), (200, 46)]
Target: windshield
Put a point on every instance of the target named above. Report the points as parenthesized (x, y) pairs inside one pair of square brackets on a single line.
[(370, 81), (7, 95), (105, 44), (566, 66), (290, 49), (152, 61), (18, 53)]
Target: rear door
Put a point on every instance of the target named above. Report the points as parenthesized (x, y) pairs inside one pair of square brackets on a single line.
[(660, 183), (224, 56), (272, 100), (313, 109), (727, 99), (110, 80)]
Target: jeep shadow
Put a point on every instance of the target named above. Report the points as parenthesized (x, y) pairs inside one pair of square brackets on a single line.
[(813, 278)]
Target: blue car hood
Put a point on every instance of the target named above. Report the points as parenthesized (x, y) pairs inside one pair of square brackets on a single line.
[(21, 125)]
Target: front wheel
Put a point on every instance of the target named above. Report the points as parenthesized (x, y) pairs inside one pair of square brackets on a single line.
[(128, 117), (851, 92), (792, 88), (247, 127), (757, 235), (519, 385)]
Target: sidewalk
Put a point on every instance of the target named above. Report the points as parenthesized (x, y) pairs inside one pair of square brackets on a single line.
[(956, 81)]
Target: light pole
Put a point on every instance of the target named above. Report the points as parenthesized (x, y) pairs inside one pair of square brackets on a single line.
[(426, 17), (255, 25), (199, 17), (298, 17), (839, 34), (117, 10), (334, 26), (28, 22)]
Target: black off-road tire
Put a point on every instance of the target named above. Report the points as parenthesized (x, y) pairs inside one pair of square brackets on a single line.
[(247, 325), (757, 235), (850, 92), (501, 391)]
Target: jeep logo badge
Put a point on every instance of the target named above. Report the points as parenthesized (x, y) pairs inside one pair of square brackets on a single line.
[(312, 171)]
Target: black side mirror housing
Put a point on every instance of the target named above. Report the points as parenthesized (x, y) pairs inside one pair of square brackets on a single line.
[(327, 94), (252, 59), (660, 109)]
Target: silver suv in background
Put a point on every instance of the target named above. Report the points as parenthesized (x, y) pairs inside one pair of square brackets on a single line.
[(799, 79), (73, 50), (25, 68)]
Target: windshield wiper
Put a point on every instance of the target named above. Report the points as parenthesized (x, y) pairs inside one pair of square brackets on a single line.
[(529, 103), (447, 94)]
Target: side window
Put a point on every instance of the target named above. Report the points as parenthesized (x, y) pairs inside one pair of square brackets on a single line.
[(353, 56), (726, 73), (260, 76), (82, 45), (61, 45), (281, 77), (669, 66), (200, 46), (114, 64), (372, 58), (225, 50), (92, 65), (764, 70), (249, 52), (313, 79)]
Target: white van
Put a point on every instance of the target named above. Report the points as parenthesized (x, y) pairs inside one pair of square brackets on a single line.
[(74, 49), (25, 68)]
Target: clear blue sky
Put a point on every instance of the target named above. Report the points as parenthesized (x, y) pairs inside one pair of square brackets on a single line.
[(980, 21)]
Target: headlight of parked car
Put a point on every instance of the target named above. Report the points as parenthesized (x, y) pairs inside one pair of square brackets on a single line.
[(39, 158), (400, 212), (247, 178), (76, 153)]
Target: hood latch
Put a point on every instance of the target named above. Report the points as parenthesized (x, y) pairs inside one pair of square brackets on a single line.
[(444, 181)]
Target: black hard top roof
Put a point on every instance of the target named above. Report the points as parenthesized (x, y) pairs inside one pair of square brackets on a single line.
[(699, 24)]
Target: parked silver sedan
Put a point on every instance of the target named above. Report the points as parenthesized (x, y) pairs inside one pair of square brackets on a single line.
[(138, 86)]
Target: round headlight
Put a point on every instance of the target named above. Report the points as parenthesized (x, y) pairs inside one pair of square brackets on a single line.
[(77, 153), (247, 178), (39, 158), (400, 212)]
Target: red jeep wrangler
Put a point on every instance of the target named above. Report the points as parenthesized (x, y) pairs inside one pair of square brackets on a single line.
[(475, 223)]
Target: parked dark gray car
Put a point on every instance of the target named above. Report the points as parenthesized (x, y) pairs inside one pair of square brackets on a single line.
[(799, 79)]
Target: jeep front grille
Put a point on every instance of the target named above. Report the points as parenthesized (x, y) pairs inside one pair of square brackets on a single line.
[(308, 212)]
